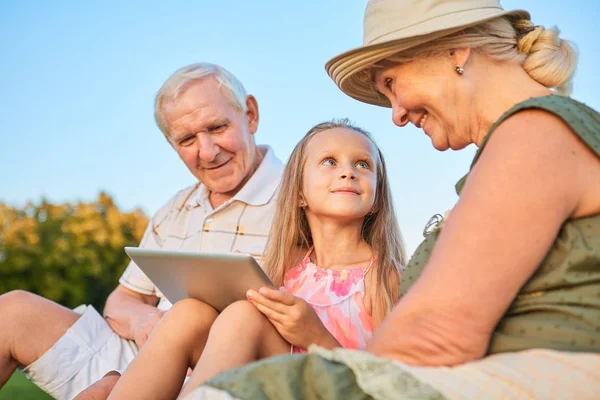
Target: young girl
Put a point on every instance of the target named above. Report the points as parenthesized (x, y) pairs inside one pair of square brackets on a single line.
[(335, 249)]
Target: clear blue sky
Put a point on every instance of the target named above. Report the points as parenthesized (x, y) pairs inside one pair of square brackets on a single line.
[(78, 80)]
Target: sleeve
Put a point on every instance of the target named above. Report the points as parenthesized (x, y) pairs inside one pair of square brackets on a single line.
[(133, 278)]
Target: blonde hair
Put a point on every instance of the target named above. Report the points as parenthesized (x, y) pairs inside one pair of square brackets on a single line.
[(290, 234), (546, 57), (180, 80)]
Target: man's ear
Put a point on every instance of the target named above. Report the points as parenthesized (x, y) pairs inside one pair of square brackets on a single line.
[(252, 113)]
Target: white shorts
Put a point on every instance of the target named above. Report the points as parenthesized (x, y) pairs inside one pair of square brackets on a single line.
[(83, 355)]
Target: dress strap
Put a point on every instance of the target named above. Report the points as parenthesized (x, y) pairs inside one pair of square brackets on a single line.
[(308, 253), (370, 264)]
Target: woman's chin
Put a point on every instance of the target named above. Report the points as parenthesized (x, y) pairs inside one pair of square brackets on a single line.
[(440, 145), (443, 143)]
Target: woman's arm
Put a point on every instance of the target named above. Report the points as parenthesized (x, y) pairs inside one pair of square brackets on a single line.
[(533, 175)]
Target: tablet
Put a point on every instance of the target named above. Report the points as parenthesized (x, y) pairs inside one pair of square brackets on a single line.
[(217, 279)]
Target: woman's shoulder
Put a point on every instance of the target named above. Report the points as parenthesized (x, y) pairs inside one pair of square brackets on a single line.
[(546, 148), (582, 120), (543, 126)]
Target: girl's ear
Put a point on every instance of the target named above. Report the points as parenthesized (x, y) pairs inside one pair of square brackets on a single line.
[(302, 203)]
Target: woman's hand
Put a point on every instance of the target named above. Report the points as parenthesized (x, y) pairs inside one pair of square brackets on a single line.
[(295, 320)]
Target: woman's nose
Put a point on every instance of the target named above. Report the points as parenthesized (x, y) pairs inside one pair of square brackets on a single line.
[(399, 115)]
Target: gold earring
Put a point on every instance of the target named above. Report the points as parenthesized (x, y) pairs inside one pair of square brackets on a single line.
[(459, 70)]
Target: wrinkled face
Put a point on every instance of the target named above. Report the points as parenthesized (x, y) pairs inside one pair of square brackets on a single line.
[(425, 92), (340, 175), (213, 138)]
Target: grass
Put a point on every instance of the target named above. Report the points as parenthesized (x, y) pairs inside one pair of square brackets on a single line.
[(18, 387)]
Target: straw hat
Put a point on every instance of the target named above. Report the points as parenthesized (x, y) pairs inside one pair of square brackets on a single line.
[(391, 26)]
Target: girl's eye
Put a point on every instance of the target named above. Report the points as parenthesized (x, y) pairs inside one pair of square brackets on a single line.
[(362, 164), (328, 161)]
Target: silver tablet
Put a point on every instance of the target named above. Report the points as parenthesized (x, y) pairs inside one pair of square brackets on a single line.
[(217, 279)]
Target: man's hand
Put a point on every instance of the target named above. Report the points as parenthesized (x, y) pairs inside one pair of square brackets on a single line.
[(132, 315), (143, 325), (295, 320)]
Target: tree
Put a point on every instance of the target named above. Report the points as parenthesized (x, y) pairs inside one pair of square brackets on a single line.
[(71, 254)]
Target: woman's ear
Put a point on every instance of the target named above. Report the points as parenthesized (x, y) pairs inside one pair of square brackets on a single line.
[(460, 57)]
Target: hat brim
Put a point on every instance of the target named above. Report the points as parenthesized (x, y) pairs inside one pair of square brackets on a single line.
[(349, 69)]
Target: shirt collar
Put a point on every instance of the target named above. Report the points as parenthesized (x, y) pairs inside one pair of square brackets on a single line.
[(259, 189)]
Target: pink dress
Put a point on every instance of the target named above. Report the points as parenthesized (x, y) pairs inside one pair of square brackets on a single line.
[(337, 296)]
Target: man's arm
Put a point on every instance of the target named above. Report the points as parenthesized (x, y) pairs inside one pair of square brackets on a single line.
[(132, 315), (130, 309)]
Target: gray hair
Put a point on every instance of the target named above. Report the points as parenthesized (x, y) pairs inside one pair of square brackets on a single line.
[(180, 80)]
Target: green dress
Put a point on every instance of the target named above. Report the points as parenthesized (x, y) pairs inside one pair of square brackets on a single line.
[(558, 308)]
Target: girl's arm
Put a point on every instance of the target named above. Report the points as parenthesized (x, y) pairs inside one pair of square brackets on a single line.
[(295, 320), (327, 340), (533, 175)]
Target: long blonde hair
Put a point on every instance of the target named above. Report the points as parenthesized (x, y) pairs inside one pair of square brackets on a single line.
[(290, 234), (546, 57)]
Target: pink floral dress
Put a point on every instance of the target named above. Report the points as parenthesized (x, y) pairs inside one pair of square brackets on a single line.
[(337, 296)]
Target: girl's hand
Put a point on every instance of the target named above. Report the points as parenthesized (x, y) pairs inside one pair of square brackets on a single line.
[(295, 320)]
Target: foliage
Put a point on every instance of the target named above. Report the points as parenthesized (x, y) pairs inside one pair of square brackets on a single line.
[(18, 387), (71, 254)]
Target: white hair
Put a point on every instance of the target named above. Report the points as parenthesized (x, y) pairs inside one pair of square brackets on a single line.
[(180, 80)]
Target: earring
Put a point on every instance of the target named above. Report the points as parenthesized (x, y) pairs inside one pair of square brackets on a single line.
[(302, 205), (459, 70)]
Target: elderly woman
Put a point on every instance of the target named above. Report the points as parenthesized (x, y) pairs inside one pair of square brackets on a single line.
[(502, 299)]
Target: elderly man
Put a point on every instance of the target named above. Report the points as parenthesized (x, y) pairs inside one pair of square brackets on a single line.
[(206, 116)]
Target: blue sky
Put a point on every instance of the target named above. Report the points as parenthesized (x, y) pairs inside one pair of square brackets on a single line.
[(78, 80)]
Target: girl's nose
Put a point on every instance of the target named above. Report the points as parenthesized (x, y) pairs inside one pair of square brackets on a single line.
[(348, 174)]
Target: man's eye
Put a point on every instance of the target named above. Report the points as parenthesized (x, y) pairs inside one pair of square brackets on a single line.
[(218, 128), (187, 141), (363, 164), (328, 161)]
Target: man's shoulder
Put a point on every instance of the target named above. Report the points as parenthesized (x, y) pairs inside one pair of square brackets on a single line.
[(262, 186)]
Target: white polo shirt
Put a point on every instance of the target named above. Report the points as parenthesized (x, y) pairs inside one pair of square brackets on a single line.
[(188, 222)]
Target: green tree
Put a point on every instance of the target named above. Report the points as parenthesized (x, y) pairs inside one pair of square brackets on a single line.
[(72, 254)]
